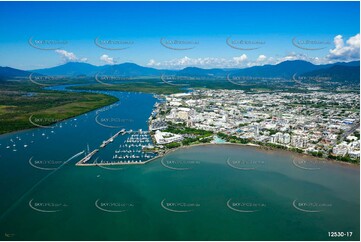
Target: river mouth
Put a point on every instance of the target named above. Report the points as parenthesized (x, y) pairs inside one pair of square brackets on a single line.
[(208, 192)]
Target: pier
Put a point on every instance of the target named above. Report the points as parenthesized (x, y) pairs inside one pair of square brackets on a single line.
[(119, 163), (111, 139), (136, 137), (87, 157)]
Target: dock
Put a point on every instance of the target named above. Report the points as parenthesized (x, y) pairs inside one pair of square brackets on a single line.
[(111, 139), (87, 157), (83, 161)]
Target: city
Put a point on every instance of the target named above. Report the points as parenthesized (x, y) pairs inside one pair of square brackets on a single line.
[(322, 124), (180, 120)]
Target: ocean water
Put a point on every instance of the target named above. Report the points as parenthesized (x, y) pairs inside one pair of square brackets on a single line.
[(212, 192)]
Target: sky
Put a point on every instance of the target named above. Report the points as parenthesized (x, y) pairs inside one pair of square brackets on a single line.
[(175, 35)]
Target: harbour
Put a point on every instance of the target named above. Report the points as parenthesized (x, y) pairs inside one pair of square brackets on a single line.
[(130, 152), (121, 173)]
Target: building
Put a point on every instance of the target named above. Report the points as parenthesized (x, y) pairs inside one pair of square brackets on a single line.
[(286, 138), (299, 142), (340, 150), (166, 137)]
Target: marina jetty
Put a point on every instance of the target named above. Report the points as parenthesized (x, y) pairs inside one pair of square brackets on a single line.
[(87, 157), (83, 161), (111, 139), (127, 152)]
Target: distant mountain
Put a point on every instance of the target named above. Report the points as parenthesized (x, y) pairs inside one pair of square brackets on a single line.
[(69, 69), (197, 72), (339, 72), (352, 63), (128, 69), (78, 68), (284, 69), (8, 72)]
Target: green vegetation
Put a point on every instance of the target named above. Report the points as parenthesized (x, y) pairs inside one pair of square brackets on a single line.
[(189, 141), (232, 138), (317, 154), (271, 131), (182, 129), (146, 87), (20, 100), (357, 134), (299, 150), (157, 86), (277, 146), (173, 145), (345, 158), (193, 136)]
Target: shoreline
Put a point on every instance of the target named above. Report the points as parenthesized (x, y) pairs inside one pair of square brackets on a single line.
[(259, 147), (48, 126)]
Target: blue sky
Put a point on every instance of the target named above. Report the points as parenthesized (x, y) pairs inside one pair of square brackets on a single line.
[(195, 32)]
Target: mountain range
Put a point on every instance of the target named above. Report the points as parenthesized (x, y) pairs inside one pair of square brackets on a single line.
[(349, 71), (8, 72)]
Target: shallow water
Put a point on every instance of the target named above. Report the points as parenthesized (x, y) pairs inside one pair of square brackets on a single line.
[(212, 192)]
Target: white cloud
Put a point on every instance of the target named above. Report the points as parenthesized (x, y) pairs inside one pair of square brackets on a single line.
[(152, 62), (233, 62), (348, 52), (297, 56), (69, 56), (261, 58), (240, 59), (206, 62), (342, 52), (107, 59)]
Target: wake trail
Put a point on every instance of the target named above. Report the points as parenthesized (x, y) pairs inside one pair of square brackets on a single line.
[(14, 205)]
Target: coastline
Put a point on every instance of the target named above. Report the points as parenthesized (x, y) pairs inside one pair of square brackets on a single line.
[(168, 151), (259, 147), (61, 120), (49, 125)]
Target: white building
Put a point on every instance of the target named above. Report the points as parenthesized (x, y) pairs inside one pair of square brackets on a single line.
[(166, 137), (340, 150), (299, 142)]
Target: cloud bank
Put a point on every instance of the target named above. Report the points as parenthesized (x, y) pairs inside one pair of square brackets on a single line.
[(69, 56), (107, 59), (345, 52)]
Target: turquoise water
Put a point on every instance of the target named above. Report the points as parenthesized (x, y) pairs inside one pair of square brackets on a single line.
[(218, 140), (213, 192)]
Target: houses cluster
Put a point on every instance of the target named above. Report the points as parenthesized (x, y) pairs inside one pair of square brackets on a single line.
[(351, 148), (313, 121)]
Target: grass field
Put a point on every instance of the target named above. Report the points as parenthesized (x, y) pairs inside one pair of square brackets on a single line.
[(137, 86)]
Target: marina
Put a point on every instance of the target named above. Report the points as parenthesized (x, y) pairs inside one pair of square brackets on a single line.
[(122, 173), (180, 121), (130, 152)]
